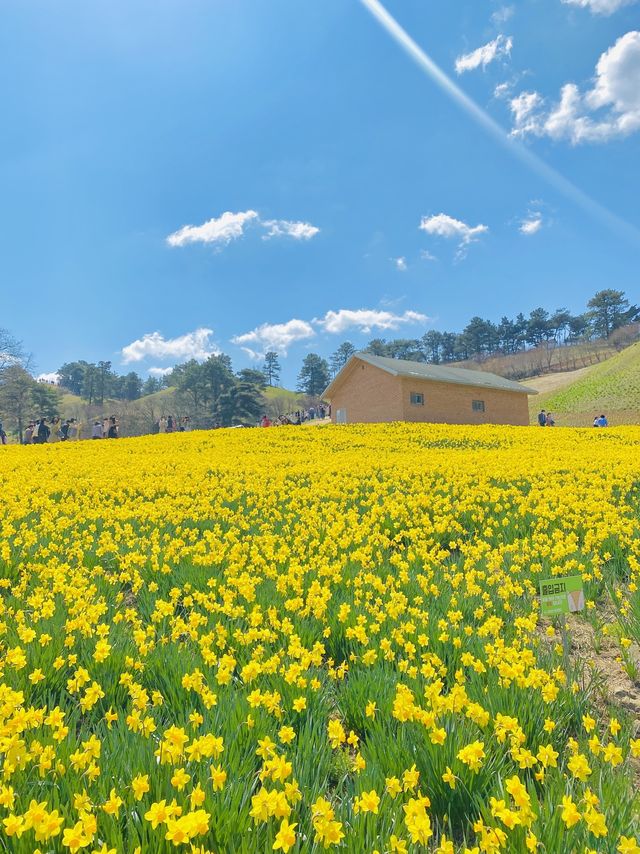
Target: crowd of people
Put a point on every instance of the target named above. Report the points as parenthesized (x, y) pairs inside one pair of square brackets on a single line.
[(38, 432), (171, 424), (107, 428), (298, 417)]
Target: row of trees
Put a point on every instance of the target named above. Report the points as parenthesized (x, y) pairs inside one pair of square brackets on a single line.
[(211, 389), (96, 382), (607, 311)]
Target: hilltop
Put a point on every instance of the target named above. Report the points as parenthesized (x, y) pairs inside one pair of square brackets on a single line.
[(612, 387)]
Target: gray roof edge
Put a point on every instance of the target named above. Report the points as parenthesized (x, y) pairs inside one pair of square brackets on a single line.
[(467, 376)]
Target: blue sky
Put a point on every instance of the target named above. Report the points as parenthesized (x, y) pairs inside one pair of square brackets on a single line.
[(361, 201)]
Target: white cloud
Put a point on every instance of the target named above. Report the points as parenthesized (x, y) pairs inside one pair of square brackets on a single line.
[(524, 108), (482, 56), (610, 109), (274, 336), (443, 225), (531, 224), (401, 264), (287, 228), (192, 345), (600, 7), (224, 229), (230, 226), (427, 256), (159, 372), (502, 15), (365, 319), (52, 377)]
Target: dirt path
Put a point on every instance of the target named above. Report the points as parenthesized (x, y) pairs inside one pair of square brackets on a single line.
[(553, 382)]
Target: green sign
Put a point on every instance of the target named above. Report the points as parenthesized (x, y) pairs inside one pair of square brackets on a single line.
[(561, 596)]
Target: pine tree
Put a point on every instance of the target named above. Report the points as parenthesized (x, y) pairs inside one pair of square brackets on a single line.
[(271, 368), (314, 375)]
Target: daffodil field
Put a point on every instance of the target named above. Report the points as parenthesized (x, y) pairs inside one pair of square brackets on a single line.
[(302, 640)]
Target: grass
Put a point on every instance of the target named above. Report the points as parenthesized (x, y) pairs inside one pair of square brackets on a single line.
[(612, 387)]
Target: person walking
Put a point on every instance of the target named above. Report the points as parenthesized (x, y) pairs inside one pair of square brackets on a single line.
[(64, 431), (542, 418), (96, 431), (28, 434), (112, 432), (43, 432)]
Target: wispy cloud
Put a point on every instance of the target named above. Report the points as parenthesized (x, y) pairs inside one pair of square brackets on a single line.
[(600, 7), (281, 336), (400, 264), (274, 336), (287, 228), (483, 56), (193, 345), (531, 224), (609, 110), (502, 15), (366, 320), (221, 230)]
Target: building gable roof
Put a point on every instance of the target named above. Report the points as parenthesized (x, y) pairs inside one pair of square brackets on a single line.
[(435, 373)]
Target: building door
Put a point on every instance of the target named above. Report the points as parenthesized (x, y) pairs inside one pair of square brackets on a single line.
[(341, 416)]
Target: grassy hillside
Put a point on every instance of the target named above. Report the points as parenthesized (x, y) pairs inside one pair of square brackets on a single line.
[(138, 416), (612, 387)]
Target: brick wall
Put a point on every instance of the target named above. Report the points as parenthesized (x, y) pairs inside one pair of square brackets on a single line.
[(371, 395), (450, 403), (368, 394)]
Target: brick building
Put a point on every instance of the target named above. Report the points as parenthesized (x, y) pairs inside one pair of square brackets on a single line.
[(372, 389)]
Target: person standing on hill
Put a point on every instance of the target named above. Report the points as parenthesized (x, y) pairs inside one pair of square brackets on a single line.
[(96, 432), (112, 432), (542, 418), (549, 420), (28, 434)]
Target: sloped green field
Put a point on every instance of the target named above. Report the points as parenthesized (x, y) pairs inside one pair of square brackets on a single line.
[(612, 387)]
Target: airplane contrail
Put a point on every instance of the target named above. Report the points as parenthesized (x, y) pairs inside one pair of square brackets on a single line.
[(535, 163)]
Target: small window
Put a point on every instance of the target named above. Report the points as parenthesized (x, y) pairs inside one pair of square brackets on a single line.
[(477, 405), (417, 399)]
